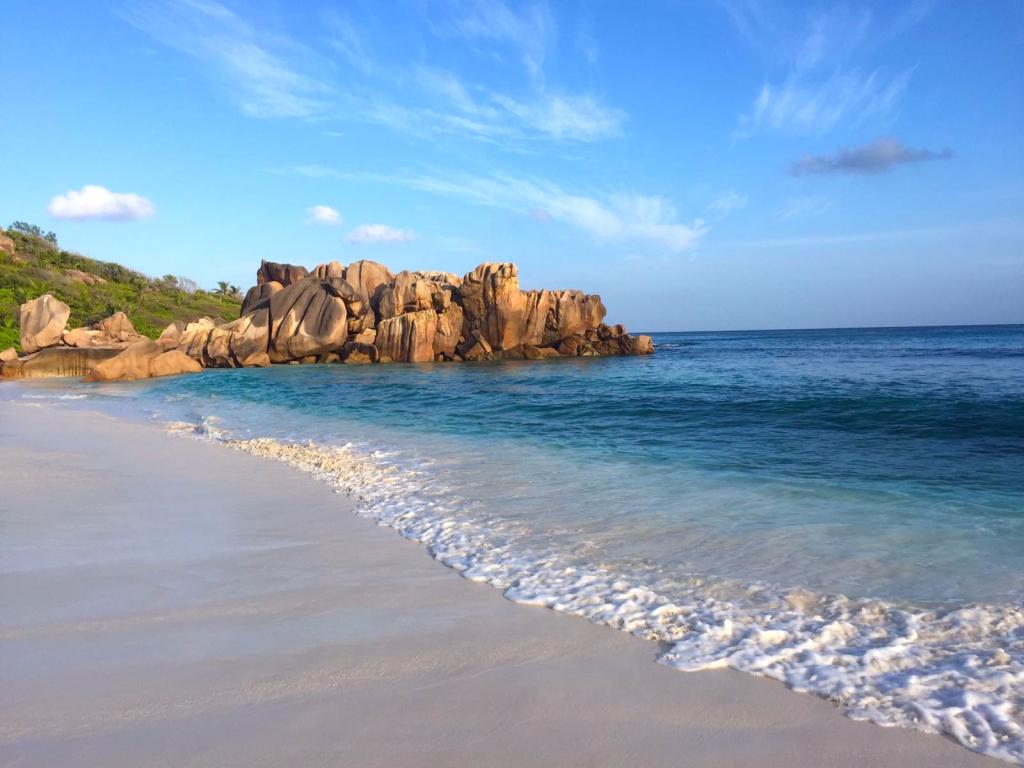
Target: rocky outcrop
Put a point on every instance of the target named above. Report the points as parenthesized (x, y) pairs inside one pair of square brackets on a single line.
[(143, 360), (56, 362), (7, 245), (308, 317), (408, 338), (359, 314), (285, 274), (258, 294), (114, 331), (42, 322), (368, 277)]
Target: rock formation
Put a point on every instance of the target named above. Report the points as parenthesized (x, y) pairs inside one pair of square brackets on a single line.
[(116, 330), (359, 314), (143, 360), (364, 313), (42, 323)]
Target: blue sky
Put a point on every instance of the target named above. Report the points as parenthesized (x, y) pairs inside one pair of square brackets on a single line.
[(702, 165)]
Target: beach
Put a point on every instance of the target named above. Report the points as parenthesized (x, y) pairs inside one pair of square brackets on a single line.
[(171, 602)]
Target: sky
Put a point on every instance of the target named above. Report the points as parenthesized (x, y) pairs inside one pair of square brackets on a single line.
[(702, 165)]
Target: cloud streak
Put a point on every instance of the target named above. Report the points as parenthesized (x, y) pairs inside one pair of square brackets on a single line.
[(258, 71), (379, 233), (879, 156), (95, 202), (645, 220)]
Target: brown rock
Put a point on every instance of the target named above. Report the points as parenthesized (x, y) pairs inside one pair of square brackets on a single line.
[(449, 331), (307, 318), (408, 338), (570, 347), (192, 339), (8, 354), (285, 274), (259, 294), (358, 353), (493, 305), (42, 323), (6, 245), (476, 347), (367, 277), (366, 336), (446, 278), (56, 361), (241, 343), (143, 360), (116, 330), (331, 269), (84, 277), (531, 352), (406, 293)]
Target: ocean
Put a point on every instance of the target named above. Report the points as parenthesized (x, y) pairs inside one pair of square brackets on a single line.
[(841, 510)]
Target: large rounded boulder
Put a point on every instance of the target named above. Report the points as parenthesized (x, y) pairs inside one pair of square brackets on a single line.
[(42, 323)]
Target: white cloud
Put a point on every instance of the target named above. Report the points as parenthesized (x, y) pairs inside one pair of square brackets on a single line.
[(801, 207), (627, 218), (726, 203), (323, 214), (263, 72), (802, 107), (95, 202), (379, 233), (582, 118), (530, 31), (821, 88)]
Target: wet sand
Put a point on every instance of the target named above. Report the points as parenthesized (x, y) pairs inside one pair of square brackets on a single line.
[(167, 602)]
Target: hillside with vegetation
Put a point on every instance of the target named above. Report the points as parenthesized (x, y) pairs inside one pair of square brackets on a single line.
[(97, 289)]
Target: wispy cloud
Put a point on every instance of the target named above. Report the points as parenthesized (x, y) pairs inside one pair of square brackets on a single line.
[(623, 217), (529, 29), (323, 214), (258, 69), (879, 156), (822, 86), (813, 107), (726, 203), (379, 233), (803, 207), (95, 202)]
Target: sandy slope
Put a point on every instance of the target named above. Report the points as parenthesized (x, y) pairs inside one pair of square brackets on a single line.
[(167, 602)]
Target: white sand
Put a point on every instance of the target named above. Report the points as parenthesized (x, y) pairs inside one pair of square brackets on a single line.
[(167, 603)]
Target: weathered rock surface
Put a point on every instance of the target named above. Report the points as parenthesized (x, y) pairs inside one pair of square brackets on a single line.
[(409, 338), (116, 330), (6, 245), (359, 314), (306, 318), (42, 323), (87, 278), (258, 294), (367, 277), (8, 354), (55, 362), (143, 360), (285, 274)]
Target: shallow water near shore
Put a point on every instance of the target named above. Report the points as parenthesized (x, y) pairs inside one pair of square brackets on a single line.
[(842, 510)]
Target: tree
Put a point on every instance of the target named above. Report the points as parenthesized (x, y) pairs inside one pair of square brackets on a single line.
[(34, 231), (223, 287)]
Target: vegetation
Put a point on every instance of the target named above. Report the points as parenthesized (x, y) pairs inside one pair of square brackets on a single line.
[(39, 266)]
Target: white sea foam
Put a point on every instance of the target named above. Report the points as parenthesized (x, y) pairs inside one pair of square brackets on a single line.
[(954, 671), (80, 396)]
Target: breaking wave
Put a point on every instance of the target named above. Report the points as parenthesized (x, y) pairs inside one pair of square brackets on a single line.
[(956, 671)]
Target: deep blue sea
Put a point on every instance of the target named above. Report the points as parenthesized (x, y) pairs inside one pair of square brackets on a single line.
[(840, 509)]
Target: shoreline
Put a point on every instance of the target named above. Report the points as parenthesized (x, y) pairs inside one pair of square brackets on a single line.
[(255, 620)]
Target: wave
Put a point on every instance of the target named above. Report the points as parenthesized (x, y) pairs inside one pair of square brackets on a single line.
[(956, 671)]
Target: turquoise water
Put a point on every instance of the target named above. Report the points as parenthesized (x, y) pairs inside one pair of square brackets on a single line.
[(783, 482)]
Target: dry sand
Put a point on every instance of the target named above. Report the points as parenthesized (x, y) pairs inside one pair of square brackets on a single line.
[(171, 603)]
